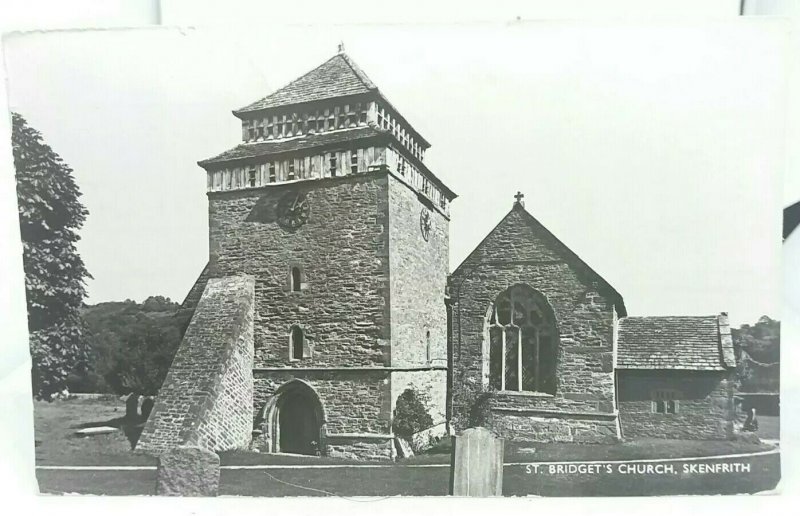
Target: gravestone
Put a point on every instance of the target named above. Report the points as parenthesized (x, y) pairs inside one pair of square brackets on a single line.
[(477, 464), (147, 407), (188, 471), (132, 407)]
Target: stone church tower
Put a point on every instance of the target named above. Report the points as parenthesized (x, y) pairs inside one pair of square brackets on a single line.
[(326, 223)]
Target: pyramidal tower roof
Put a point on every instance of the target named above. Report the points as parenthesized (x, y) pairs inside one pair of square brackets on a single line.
[(339, 76)]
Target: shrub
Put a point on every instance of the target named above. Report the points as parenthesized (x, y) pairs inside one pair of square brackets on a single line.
[(410, 415), (480, 413)]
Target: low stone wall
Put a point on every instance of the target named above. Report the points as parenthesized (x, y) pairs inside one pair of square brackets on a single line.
[(206, 399), (563, 428), (361, 448)]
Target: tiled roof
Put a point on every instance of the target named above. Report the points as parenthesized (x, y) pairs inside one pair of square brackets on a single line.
[(688, 343), (337, 77), (253, 150)]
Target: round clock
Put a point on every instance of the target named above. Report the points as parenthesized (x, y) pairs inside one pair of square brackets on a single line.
[(293, 210), (425, 223)]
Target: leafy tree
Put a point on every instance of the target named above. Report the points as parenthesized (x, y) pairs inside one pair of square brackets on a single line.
[(410, 415), (131, 345), (50, 214), (757, 349)]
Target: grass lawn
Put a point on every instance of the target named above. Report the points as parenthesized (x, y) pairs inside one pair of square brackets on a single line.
[(769, 427), (55, 424), (57, 445)]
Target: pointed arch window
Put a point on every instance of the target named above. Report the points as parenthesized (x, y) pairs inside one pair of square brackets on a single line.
[(522, 342)]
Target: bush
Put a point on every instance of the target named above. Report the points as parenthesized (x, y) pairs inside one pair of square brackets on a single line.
[(410, 415), (480, 413)]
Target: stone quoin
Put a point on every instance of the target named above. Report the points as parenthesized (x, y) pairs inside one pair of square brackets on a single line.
[(327, 295)]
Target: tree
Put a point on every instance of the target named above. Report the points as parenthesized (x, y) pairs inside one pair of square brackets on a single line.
[(131, 345), (758, 353), (50, 214)]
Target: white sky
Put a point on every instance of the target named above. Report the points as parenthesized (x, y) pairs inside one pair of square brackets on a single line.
[(653, 151)]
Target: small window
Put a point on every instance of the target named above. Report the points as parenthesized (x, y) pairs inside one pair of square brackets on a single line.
[(272, 175), (296, 279), (251, 176), (260, 131), (297, 343), (291, 169), (428, 346), (665, 402), (251, 133), (353, 161)]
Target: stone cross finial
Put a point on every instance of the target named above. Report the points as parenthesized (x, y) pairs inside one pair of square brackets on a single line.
[(341, 47), (519, 196)]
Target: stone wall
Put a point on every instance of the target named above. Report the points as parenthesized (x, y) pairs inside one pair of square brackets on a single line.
[(343, 251), (520, 251), (418, 280), (356, 406), (705, 404), (206, 397), (431, 384)]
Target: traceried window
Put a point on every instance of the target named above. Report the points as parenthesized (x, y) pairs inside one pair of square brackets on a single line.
[(523, 342), (665, 402)]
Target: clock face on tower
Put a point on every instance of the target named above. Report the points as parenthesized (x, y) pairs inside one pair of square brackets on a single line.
[(425, 223), (293, 209)]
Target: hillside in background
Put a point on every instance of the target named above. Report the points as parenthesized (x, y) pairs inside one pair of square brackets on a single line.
[(758, 355), (130, 345)]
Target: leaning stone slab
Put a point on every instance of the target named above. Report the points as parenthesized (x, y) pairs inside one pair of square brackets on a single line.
[(188, 471)]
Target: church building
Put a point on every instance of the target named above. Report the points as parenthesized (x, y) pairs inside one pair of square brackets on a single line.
[(327, 295)]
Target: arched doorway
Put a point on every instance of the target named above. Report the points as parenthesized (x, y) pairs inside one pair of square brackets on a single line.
[(298, 420)]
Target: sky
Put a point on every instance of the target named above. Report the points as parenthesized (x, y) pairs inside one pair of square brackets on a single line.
[(655, 151)]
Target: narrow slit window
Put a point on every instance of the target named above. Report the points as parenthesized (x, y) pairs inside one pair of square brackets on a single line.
[(296, 343), (353, 162), (251, 176), (272, 175), (428, 346), (296, 279)]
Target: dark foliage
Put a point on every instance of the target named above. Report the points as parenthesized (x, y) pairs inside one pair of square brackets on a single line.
[(410, 415), (131, 345), (758, 356), (50, 214)]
